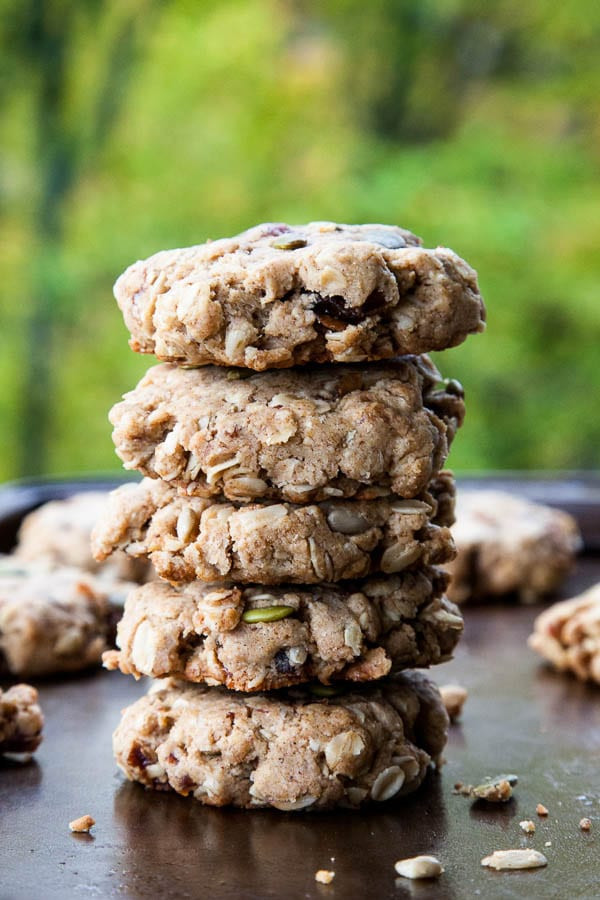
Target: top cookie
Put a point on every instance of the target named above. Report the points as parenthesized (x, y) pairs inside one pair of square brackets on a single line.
[(277, 296)]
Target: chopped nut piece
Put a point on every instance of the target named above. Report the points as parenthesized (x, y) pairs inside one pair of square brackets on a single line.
[(419, 867), (585, 824), (324, 876), (494, 790), (541, 810), (527, 826), (453, 698), (515, 859), (82, 824)]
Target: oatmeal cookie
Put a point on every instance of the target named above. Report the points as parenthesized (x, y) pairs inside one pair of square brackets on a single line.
[(58, 534), (251, 639), (508, 545), (55, 620), (286, 750), (299, 435), (567, 634), (190, 538), (277, 296), (21, 719)]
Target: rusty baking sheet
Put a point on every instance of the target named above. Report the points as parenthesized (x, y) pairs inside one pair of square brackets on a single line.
[(520, 717)]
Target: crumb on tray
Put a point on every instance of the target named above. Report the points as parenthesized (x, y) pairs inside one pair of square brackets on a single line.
[(82, 824), (324, 876)]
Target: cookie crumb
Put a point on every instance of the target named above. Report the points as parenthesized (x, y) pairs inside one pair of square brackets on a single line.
[(453, 698), (585, 824), (491, 791), (541, 810), (527, 826), (82, 824), (419, 867), (515, 859), (324, 876)]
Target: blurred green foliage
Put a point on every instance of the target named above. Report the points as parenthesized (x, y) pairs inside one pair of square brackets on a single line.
[(134, 125)]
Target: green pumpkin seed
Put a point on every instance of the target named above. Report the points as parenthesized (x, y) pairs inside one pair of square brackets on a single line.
[(324, 690), (267, 614), (289, 242)]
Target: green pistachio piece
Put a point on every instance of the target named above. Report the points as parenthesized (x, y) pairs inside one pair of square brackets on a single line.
[(267, 613)]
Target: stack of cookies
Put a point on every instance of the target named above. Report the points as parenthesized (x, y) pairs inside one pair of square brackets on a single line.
[(295, 507)]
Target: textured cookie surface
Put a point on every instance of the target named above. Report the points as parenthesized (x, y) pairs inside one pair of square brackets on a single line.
[(55, 620), (191, 538), (276, 296), (297, 435), (251, 639), (21, 719), (286, 750), (508, 545), (567, 634), (58, 534)]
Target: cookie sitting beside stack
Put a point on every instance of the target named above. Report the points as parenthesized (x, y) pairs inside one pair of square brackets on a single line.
[(299, 515)]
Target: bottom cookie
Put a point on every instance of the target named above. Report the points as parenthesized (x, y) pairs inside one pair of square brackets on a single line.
[(290, 750), (21, 719)]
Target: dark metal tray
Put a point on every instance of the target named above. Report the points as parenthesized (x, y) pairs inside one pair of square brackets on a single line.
[(519, 717)]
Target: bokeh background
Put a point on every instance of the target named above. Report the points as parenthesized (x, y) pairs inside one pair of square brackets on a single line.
[(128, 126)]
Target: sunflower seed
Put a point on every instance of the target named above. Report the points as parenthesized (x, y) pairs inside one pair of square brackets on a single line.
[(299, 803), (515, 859), (398, 557), (346, 522), (419, 867)]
